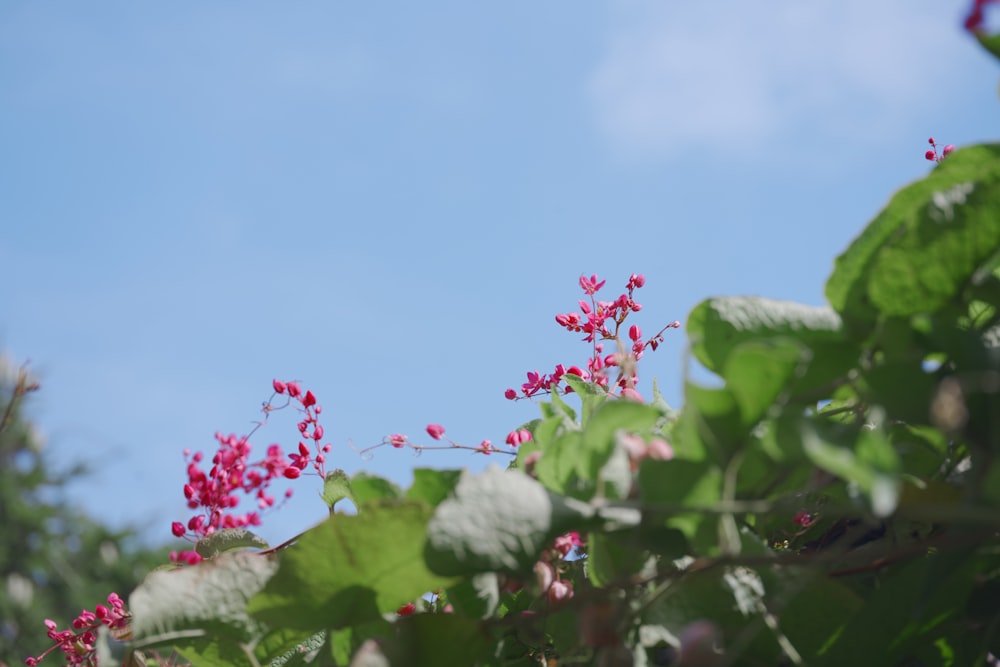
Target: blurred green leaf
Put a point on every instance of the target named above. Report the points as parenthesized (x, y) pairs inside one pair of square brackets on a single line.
[(717, 326), (228, 539), (498, 521), (210, 597), (926, 244), (432, 486), (350, 569), (367, 488)]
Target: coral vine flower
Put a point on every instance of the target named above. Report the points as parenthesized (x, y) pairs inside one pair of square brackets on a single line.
[(436, 431), (217, 493)]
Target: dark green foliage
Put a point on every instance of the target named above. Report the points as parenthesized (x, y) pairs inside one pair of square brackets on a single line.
[(54, 560)]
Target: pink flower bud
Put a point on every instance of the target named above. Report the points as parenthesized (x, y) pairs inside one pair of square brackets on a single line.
[(177, 528), (510, 394), (485, 447), (291, 472), (545, 575), (634, 332), (436, 431), (318, 433), (279, 386), (293, 389), (947, 150), (309, 399), (930, 156), (407, 609), (660, 450), (397, 440), (559, 591)]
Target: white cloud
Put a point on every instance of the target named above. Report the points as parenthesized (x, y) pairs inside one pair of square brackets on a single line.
[(680, 75)]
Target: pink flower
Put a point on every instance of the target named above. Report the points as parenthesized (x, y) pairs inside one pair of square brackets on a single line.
[(309, 399), (591, 285), (407, 609), (436, 431), (279, 386), (397, 440), (518, 437), (510, 394), (565, 543), (178, 529), (485, 447), (293, 389), (545, 575), (559, 592), (634, 332)]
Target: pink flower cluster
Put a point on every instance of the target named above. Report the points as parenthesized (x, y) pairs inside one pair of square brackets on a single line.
[(78, 644), (932, 153), (556, 589), (600, 321), (217, 492)]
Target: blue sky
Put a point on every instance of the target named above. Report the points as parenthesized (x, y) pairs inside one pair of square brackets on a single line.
[(390, 204)]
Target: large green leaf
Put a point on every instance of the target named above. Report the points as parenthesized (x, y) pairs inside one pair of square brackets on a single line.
[(910, 606), (438, 640), (209, 598), (757, 373), (926, 244), (432, 486), (871, 464), (350, 569), (667, 488), (228, 539), (716, 326), (572, 462), (498, 521)]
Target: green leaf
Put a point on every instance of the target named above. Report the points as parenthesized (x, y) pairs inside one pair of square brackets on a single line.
[(228, 539), (814, 610), (873, 465), (677, 485), (498, 521), (572, 463), (337, 487), (210, 597), (910, 605), (717, 326), (758, 372), (372, 489), (591, 394), (612, 557), (709, 424), (438, 640), (350, 569), (989, 42), (432, 486), (477, 596), (926, 244)]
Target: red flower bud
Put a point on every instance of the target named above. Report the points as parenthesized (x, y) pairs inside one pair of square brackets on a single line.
[(279, 386), (309, 399)]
